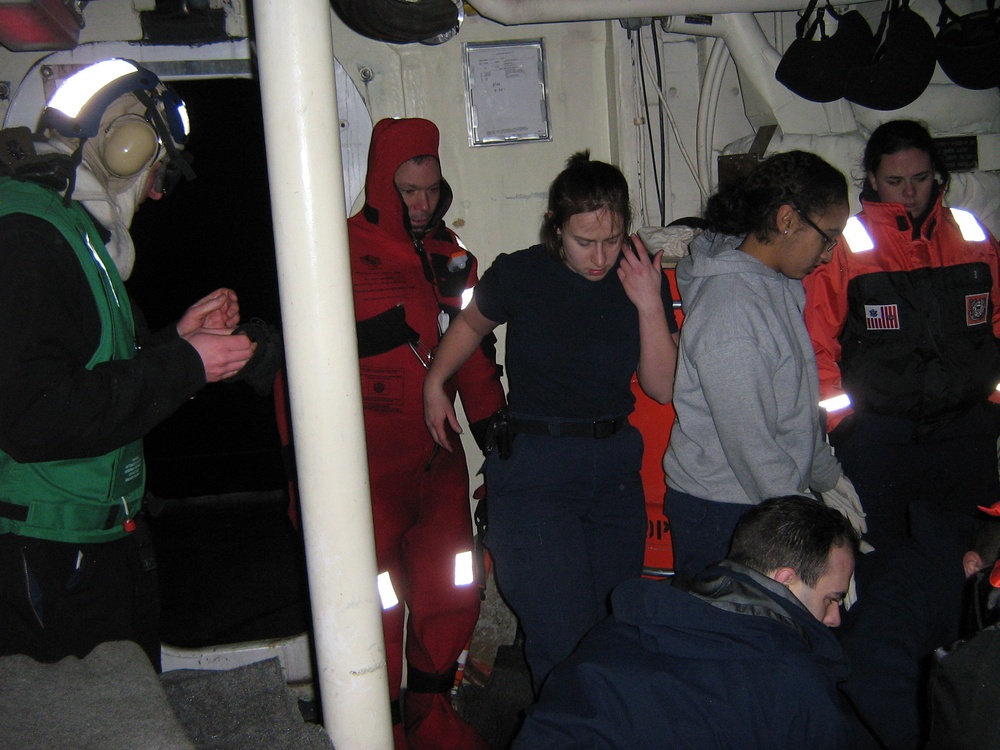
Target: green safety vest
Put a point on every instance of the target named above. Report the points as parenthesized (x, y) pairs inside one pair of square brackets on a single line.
[(76, 500)]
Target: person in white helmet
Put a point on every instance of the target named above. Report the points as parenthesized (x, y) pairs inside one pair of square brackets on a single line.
[(82, 379)]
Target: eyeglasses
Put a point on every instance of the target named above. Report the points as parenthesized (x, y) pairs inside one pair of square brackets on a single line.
[(829, 242)]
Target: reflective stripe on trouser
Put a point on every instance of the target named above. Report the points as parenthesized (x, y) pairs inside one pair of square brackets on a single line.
[(422, 522)]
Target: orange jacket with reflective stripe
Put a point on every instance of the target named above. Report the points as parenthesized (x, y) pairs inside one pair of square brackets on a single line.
[(906, 322)]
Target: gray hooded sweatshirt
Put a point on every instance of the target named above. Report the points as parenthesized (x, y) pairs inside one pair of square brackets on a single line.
[(747, 394)]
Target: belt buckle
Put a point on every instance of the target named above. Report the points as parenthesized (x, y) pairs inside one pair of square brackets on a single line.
[(603, 428)]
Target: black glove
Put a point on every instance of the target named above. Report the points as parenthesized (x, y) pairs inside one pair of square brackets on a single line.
[(267, 359)]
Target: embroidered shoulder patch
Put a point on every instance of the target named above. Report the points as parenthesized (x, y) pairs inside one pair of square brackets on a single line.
[(882, 317), (976, 306)]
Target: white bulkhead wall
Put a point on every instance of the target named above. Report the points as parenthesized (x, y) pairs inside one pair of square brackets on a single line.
[(595, 102), (593, 77), (595, 99)]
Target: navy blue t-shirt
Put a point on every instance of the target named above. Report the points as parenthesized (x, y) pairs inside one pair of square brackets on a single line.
[(572, 343)]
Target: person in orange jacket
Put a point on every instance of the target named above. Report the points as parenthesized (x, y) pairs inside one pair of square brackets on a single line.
[(905, 323)]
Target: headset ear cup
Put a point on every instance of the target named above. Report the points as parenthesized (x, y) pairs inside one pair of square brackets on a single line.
[(128, 146)]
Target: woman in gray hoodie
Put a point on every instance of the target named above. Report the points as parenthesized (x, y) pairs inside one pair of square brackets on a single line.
[(746, 395)]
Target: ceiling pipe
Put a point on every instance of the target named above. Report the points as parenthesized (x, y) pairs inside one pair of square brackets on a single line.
[(708, 105), (514, 12), (766, 101)]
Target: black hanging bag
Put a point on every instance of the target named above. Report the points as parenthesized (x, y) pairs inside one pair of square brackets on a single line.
[(816, 69), (902, 66), (968, 47)]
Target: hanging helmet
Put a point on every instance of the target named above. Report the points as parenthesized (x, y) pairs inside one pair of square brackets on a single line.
[(903, 65), (817, 69), (129, 141), (968, 47)]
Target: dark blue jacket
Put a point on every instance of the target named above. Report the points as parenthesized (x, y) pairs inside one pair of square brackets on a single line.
[(736, 662)]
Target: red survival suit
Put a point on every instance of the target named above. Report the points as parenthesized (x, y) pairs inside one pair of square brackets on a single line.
[(405, 290)]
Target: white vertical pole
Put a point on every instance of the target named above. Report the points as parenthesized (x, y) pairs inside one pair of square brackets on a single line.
[(301, 126)]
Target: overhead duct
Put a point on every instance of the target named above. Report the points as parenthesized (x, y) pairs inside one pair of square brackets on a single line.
[(766, 101), (514, 12), (401, 21)]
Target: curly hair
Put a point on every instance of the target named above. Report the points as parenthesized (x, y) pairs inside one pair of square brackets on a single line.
[(796, 178)]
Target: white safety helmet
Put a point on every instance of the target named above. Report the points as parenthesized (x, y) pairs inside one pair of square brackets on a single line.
[(118, 124), (129, 133)]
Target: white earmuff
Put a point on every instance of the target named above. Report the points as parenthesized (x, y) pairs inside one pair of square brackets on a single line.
[(128, 146)]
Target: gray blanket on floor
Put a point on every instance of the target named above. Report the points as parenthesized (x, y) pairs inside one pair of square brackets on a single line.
[(247, 708), (113, 699)]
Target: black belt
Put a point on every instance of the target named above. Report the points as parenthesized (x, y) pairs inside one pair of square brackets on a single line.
[(598, 428)]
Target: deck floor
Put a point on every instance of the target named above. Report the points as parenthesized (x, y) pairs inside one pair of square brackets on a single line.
[(232, 569)]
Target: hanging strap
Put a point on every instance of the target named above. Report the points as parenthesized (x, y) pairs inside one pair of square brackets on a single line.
[(803, 22), (948, 15), (819, 22), (890, 7)]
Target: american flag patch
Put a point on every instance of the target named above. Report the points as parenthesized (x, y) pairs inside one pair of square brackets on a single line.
[(976, 306), (882, 317)]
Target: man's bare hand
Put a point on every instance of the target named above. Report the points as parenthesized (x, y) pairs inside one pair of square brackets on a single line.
[(223, 355), (218, 310)]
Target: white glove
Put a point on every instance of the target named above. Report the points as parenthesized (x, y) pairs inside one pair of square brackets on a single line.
[(844, 497)]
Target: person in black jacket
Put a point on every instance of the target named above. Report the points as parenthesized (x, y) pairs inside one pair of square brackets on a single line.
[(82, 379), (741, 656), (962, 689)]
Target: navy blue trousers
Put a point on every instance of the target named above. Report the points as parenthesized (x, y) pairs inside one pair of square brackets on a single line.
[(920, 495), (700, 530), (566, 524), (923, 491)]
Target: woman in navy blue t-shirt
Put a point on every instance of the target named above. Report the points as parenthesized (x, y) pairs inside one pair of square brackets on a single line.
[(584, 311)]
